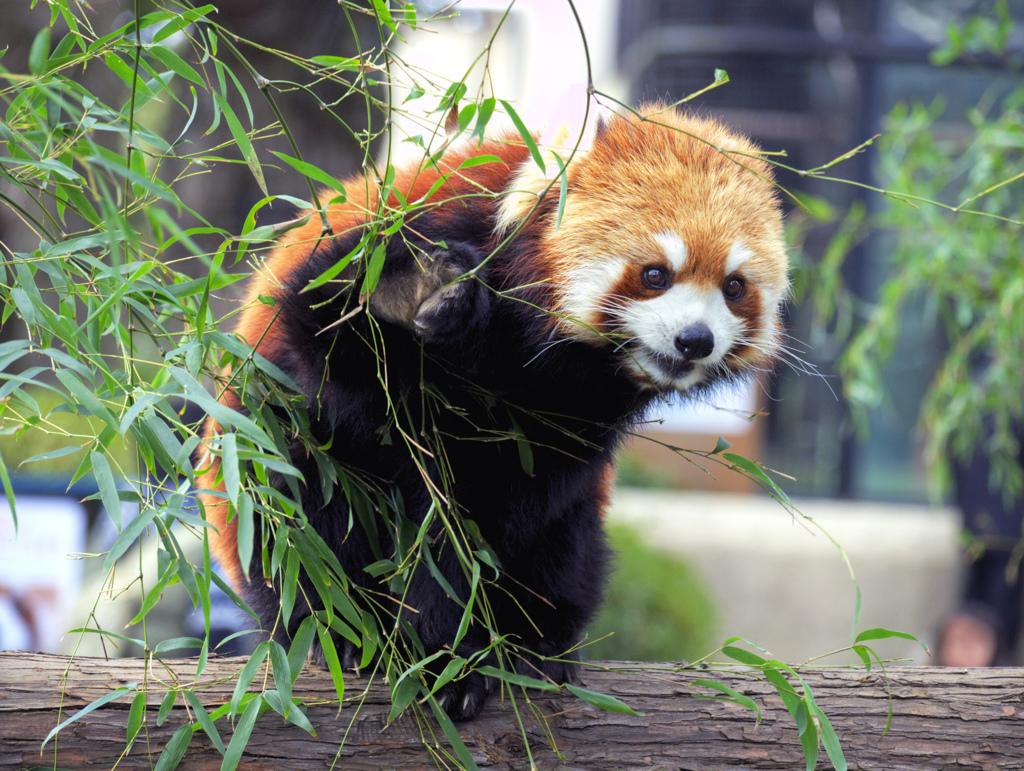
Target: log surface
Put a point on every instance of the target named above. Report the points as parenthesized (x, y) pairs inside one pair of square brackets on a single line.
[(942, 719)]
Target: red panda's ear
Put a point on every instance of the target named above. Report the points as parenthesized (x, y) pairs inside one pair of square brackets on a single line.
[(576, 122)]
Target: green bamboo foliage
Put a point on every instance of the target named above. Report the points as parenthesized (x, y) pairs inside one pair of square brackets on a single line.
[(953, 259), (112, 312)]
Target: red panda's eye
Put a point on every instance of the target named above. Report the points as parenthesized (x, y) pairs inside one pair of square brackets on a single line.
[(655, 277), (733, 289)]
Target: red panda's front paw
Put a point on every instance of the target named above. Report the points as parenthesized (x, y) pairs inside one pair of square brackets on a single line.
[(458, 310), (453, 311), (464, 699)]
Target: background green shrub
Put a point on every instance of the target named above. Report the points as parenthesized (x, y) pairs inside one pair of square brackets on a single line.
[(657, 607)]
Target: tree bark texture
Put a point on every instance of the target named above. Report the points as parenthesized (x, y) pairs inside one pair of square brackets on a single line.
[(942, 719)]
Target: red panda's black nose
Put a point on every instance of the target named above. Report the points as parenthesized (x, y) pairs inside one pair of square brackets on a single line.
[(696, 342)]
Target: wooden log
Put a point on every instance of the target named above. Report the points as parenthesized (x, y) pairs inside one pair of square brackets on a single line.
[(942, 719)]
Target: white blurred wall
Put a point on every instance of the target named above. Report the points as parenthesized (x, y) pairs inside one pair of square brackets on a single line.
[(781, 583), (536, 57)]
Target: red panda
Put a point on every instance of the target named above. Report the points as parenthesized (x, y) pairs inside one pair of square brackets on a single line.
[(532, 316)]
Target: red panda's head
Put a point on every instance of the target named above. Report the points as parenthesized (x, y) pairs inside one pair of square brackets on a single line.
[(670, 248)]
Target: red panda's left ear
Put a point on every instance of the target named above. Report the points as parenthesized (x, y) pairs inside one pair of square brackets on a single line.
[(575, 125), (575, 122)]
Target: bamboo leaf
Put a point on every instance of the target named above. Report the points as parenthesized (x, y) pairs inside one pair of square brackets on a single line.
[(467, 613), (240, 738), (246, 533), (808, 738), (135, 715), (313, 172), (483, 118), (298, 651), (39, 52), (524, 447), (515, 678), (166, 704), (177, 644), (336, 268), (5, 480), (830, 741), (880, 633), (403, 693), (289, 584), (102, 700), (154, 594), (384, 14), (53, 454), (108, 488), (85, 397), (785, 690), (345, 63), (176, 64), (175, 749), (743, 656), (527, 137), (128, 536), (204, 720), (297, 717), (248, 672), (478, 160), (452, 734), (330, 652), (282, 675), (734, 696), (863, 652), (223, 414), (601, 700), (563, 190), (238, 601), (721, 446), (374, 268), (242, 140), (756, 473)]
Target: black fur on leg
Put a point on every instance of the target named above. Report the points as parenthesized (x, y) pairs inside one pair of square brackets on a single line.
[(461, 368)]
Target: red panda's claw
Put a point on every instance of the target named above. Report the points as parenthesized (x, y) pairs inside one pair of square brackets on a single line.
[(464, 699)]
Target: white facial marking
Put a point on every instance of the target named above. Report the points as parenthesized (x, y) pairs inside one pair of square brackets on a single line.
[(589, 294), (648, 329), (674, 248), (738, 255), (656, 323)]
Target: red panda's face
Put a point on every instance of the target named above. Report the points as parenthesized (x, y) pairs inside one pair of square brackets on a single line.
[(670, 251), (680, 317)]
